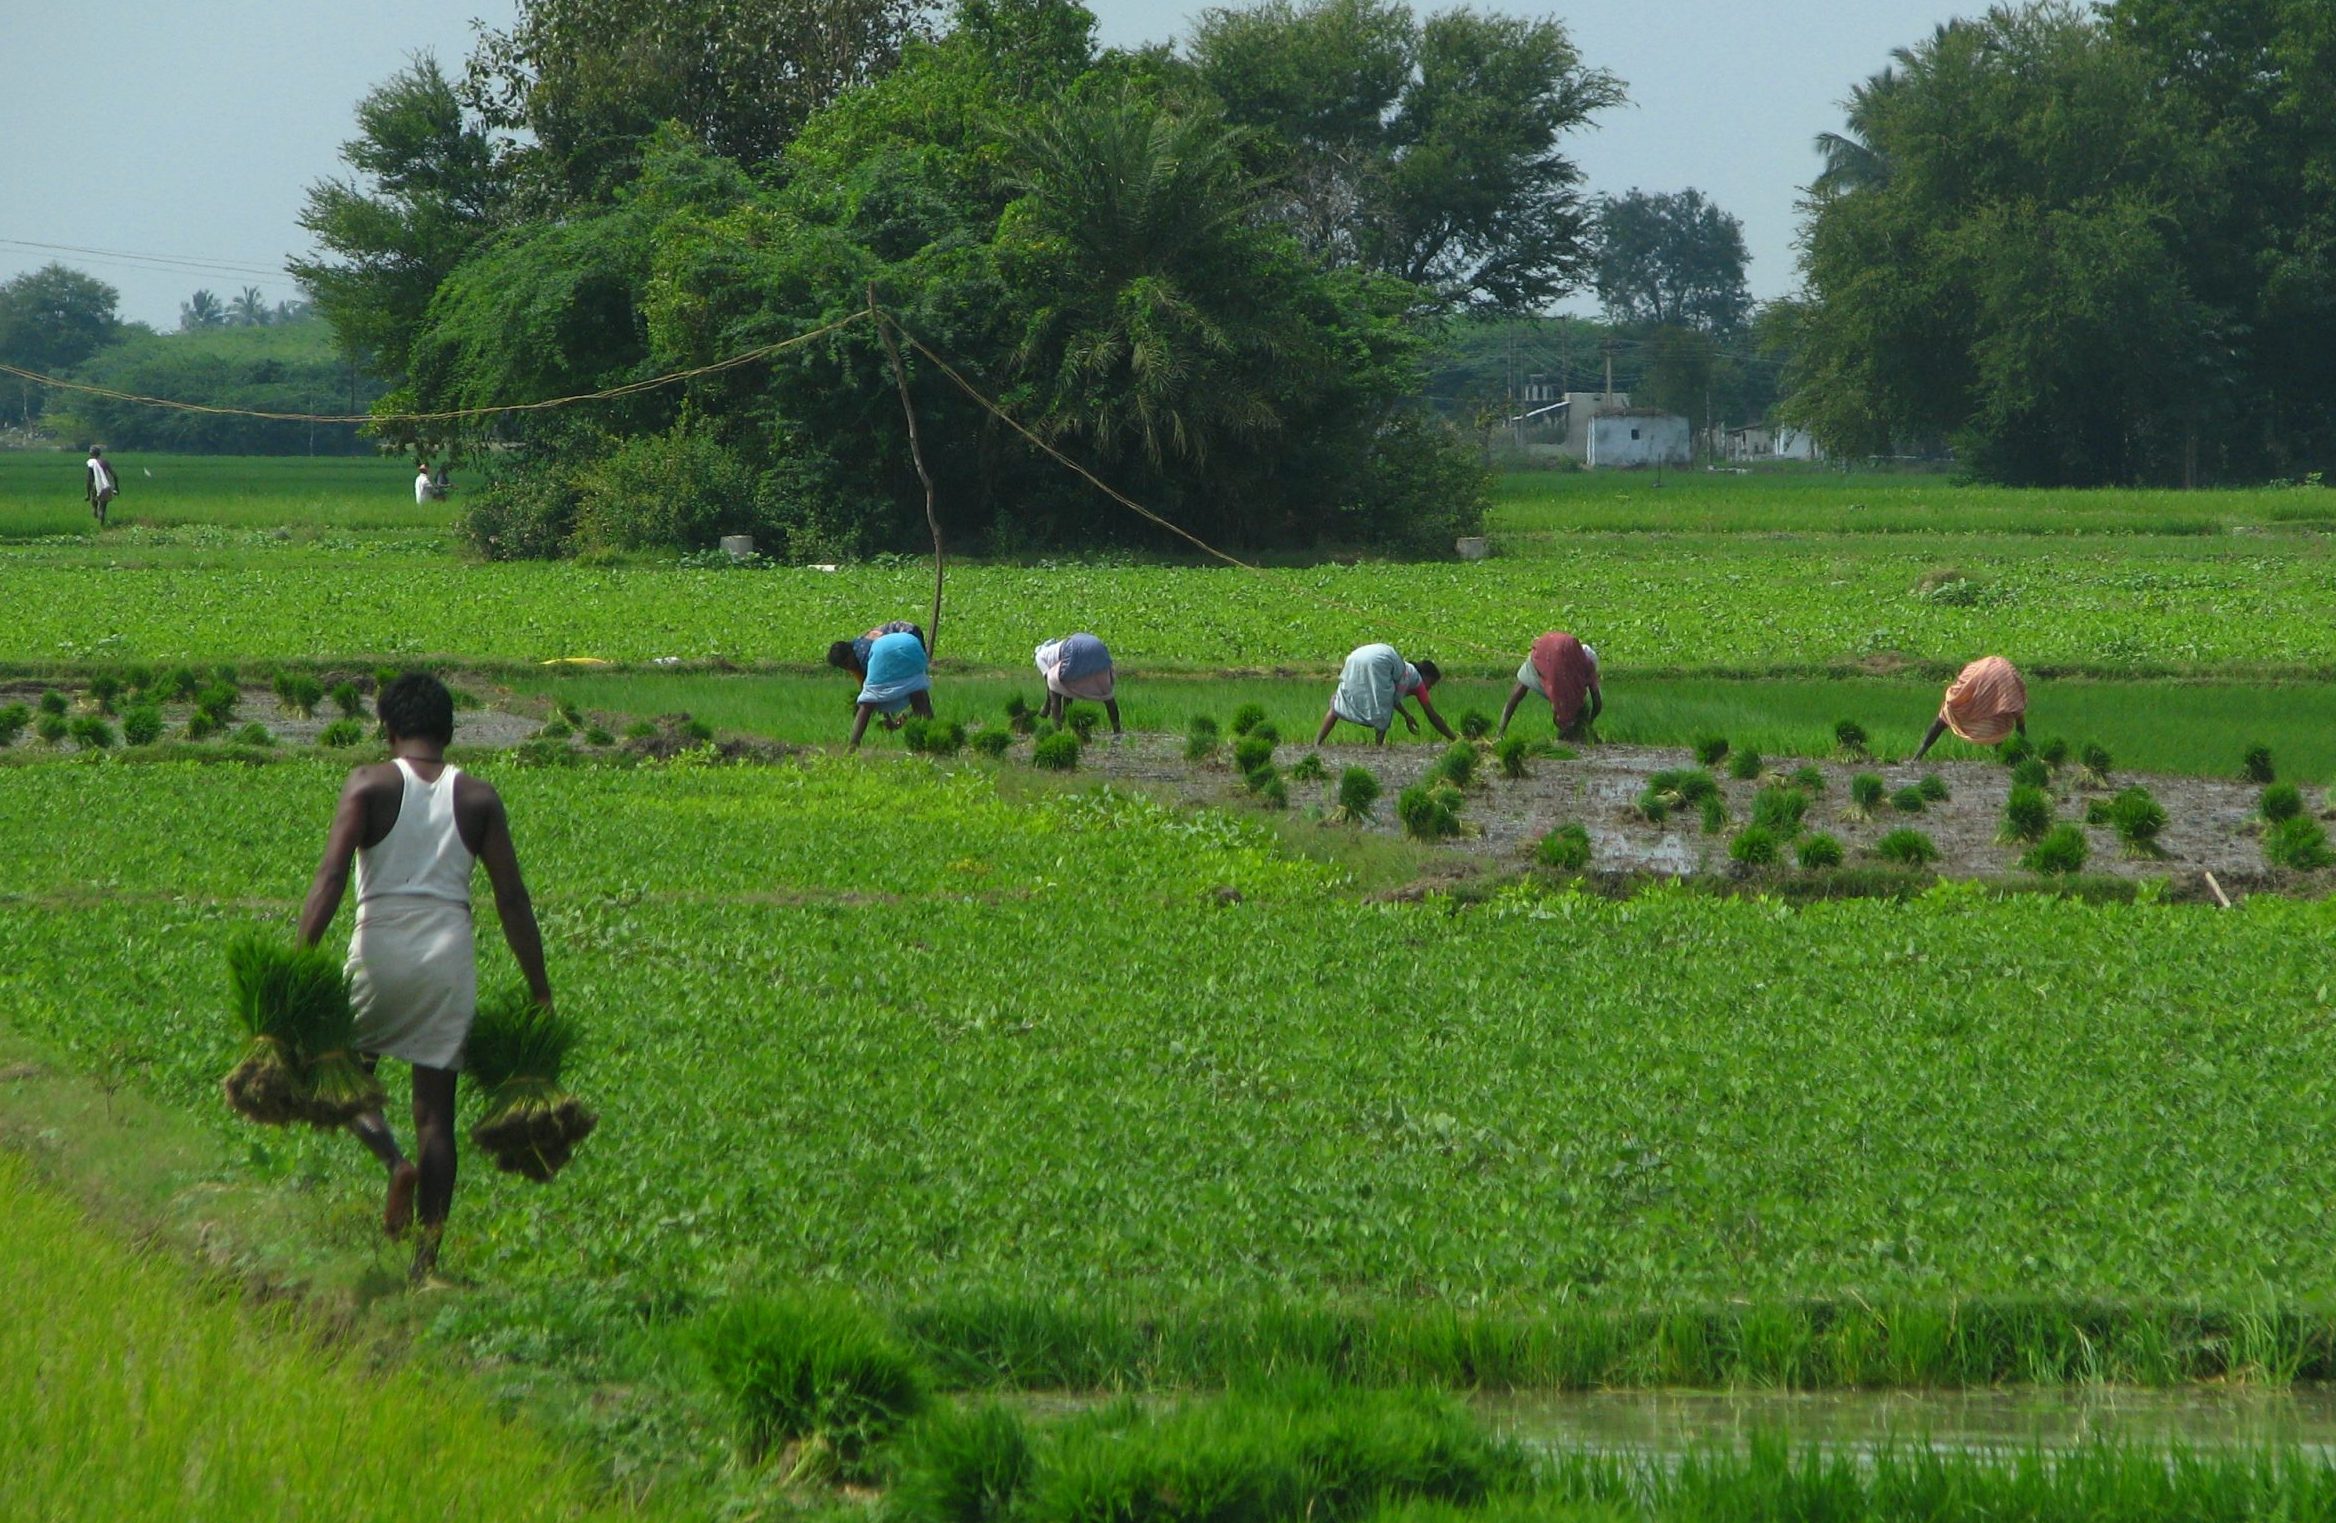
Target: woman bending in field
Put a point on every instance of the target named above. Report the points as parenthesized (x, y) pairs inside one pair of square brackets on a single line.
[(896, 677), (1078, 667), (1371, 690), (1986, 702), (852, 655), (1565, 671)]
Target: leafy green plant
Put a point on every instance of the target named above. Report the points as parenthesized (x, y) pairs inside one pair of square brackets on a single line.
[(1476, 724), (1358, 790), (2280, 801), (91, 732), (341, 734), (1429, 809), (1909, 800), (1711, 750), (2027, 815), (299, 693), (2062, 851), (1778, 810), (142, 724), (2299, 844), (1907, 847), (1850, 740), (1933, 788), (1754, 846), (2255, 766), (1511, 754), (1744, 765), (1566, 848), (1248, 717), (1818, 851), (962, 1464), (993, 741), (1058, 752), (819, 1372), (2137, 817)]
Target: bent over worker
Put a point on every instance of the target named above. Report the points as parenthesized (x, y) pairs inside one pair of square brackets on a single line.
[(415, 828), (852, 655), (1078, 667), (897, 677), (1565, 671), (1371, 689), (1986, 702)]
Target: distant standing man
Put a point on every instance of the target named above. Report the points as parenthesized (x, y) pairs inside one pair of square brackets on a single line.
[(415, 828), (423, 490), (102, 485)]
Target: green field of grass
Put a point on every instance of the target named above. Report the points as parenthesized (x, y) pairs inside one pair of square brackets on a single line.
[(41, 493)]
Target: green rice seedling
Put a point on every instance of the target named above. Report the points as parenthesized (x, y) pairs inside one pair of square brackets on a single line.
[(1271, 789), (531, 1125), (1711, 750), (1933, 788), (1258, 779), (1248, 717), (1457, 765), (1909, 800), (2062, 851), (13, 719), (341, 734), (1849, 740), (104, 688), (1309, 769), (299, 693), (1358, 790), (1082, 720), (568, 712), (1200, 738), (53, 702), (201, 726), (1715, 814), (2280, 801), (142, 724), (218, 700), (299, 1062), (182, 683), (1810, 780), (1778, 810), (594, 735), (961, 1465), (138, 678), (1567, 848), (1045, 727), (993, 741), (819, 1373), (2031, 772), (1429, 809), (641, 729), (933, 737), (2016, 748), (1252, 752), (1907, 847), (1476, 724), (554, 728), (2137, 817), (51, 728), (1744, 765), (91, 733), (2255, 766), (1676, 788), (2053, 753), (696, 729), (2027, 815), (347, 699), (253, 734), (1266, 730), (1021, 718), (1511, 753), (1818, 851), (1058, 752), (1754, 846), (464, 698), (2299, 844), (383, 676), (2092, 765)]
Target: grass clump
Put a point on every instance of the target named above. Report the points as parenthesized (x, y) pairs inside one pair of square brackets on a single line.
[(299, 693), (13, 719), (2027, 815), (1711, 750), (2092, 765), (1082, 720), (1248, 717), (51, 728), (2280, 801), (1021, 718), (594, 735), (2016, 748), (1429, 809), (1849, 740), (217, 702), (531, 1125), (1476, 724), (253, 734), (816, 1372), (2062, 851), (1754, 846), (2031, 772), (299, 1062), (933, 737), (641, 729), (554, 728), (2137, 817), (1744, 765), (1677, 788), (1715, 814), (993, 741), (104, 688), (1200, 738), (182, 683), (1252, 753), (347, 699), (1567, 848), (1457, 765), (341, 734), (1910, 800), (142, 724), (1810, 780), (1778, 809), (1058, 752), (201, 726), (53, 703), (1933, 788), (1309, 769), (91, 733), (2255, 766), (1358, 790), (2299, 844), (1510, 754), (1818, 851), (961, 1464), (1907, 847)]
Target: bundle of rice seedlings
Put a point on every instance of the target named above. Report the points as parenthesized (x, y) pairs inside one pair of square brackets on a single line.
[(567, 710), (993, 742), (2255, 766), (13, 719), (1058, 752), (142, 724), (1675, 789), (1248, 717), (1252, 752), (1819, 851), (1200, 738), (1309, 768), (594, 735), (1511, 754), (201, 726), (1358, 790), (2281, 801), (1754, 846), (182, 683), (1933, 788), (2016, 748), (53, 702), (1810, 780), (2053, 753), (1711, 750), (2027, 815), (218, 701), (1081, 719), (1020, 718), (2137, 818), (253, 734), (1457, 765), (1778, 810), (1909, 800), (2062, 851), (1744, 765), (2092, 765), (1567, 848), (300, 1062), (641, 729), (1475, 725), (1849, 740), (51, 728), (1429, 809), (934, 737), (341, 733), (346, 698), (299, 693), (531, 1126), (1265, 730), (104, 688), (383, 676), (2031, 772), (555, 728), (91, 733), (2299, 844), (1271, 790), (1907, 847), (1715, 815), (1259, 779)]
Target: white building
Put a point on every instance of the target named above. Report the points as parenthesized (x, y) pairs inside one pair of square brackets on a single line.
[(1621, 438)]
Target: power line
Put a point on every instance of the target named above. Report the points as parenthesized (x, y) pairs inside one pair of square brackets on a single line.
[(165, 262)]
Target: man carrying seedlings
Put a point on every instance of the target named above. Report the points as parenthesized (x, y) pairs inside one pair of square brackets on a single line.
[(415, 828), (1565, 671), (101, 485), (896, 677), (1078, 667), (1371, 689), (1986, 702)]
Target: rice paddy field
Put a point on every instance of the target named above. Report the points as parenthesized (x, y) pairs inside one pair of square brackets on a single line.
[(987, 1147)]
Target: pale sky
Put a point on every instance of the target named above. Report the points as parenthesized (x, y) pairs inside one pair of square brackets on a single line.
[(184, 132)]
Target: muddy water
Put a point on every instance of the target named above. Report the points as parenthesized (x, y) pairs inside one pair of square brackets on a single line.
[(1669, 1422)]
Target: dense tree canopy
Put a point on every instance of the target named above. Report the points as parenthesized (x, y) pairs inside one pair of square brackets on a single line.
[(1673, 259), (287, 367), (51, 320)]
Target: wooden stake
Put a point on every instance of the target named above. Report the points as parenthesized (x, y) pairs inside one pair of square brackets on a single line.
[(2220, 897), (916, 450)]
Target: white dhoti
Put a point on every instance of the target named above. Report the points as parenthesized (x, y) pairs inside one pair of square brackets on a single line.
[(414, 979)]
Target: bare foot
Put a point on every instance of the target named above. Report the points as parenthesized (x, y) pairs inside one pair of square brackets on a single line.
[(397, 1207), (424, 1273)]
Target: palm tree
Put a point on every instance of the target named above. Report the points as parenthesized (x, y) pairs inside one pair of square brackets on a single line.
[(250, 310), (201, 310)]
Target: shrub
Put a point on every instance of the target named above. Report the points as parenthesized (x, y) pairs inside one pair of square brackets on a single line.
[(1909, 800), (1754, 846), (1810, 780), (1567, 848), (254, 734), (1058, 752), (1711, 750), (2256, 766), (53, 703), (105, 687), (1908, 847), (677, 490), (2300, 844), (1819, 850), (1744, 765), (1933, 788), (993, 742), (142, 724), (1429, 809), (346, 698), (91, 733), (1511, 754), (2137, 818), (1252, 752), (299, 693), (2092, 765), (51, 728), (1081, 719), (1849, 739), (1475, 725), (817, 1370), (521, 512), (1248, 717), (1309, 768), (1457, 765), (13, 719), (1358, 790), (2062, 851), (2027, 814), (341, 734), (2029, 772), (1778, 810), (2281, 801)]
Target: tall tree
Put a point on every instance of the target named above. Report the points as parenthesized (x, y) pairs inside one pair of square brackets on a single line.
[(1673, 259), (201, 310), (1427, 150), (250, 309), (52, 319)]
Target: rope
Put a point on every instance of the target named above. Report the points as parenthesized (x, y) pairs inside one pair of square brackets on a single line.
[(629, 388)]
